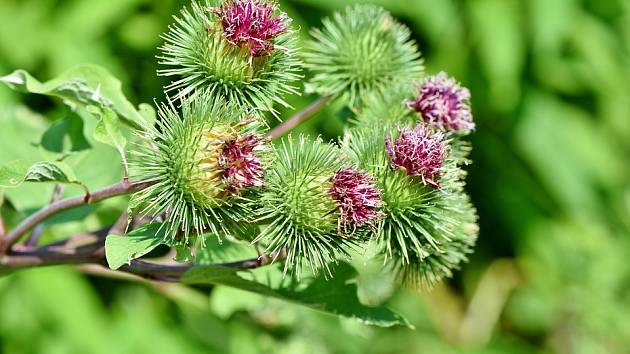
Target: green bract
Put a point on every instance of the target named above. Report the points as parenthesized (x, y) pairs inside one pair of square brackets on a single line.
[(198, 54), (386, 106), (183, 156), (303, 218), (427, 231), (359, 51)]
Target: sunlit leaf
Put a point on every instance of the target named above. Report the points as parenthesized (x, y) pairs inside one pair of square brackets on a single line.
[(336, 296), (120, 250), (83, 85), (12, 174), (65, 136), (17, 172), (107, 130)]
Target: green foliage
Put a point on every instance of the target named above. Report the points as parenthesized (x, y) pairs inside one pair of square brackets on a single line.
[(359, 51), (12, 174), (107, 131), (196, 53), (65, 136), (338, 296), (120, 250), (21, 130), (15, 173), (50, 172), (83, 85)]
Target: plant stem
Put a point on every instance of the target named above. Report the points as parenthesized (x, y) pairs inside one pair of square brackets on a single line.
[(87, 249), (34, 237), (299, 118), (118, 189)]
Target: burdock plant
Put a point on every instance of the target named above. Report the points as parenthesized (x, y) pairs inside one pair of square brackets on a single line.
[(206, 174)]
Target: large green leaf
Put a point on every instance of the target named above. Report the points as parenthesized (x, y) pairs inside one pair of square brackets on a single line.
[(107, 130), (83, 85), (12, 174), (120, 250), (20, 131), (65, 136), (336, 296), (219, 250), (16, 172)]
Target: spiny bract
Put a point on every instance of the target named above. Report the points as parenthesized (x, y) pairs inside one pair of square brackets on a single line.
[(426, 231), (304, 218), (359, 51), (202, 163), (240, 50)]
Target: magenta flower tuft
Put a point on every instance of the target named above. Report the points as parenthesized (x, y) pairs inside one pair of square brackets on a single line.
[(357, 196), (442, 102), (241, 164), (421, 152), (252, 24)]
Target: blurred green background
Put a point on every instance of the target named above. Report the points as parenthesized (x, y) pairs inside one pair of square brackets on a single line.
[(550, 81)]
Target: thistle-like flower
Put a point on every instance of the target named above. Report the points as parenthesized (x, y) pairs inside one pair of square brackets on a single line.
[(242, 51), (241, 163), (357, 196), (252, 24), (202, 162), (425, 232), (361, 50), (421, 152), (443, 103), (303, 218)]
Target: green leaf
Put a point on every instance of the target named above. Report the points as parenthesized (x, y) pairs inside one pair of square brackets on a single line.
[(50, 172), (337, 296), (19, 136), (148, 112), (65, 136), (15, 173), (83, 85), (107, 130), (120, 250), (12, 174), (219, 250)]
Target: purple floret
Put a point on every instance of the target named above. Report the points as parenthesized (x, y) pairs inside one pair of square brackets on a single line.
[(252, 24), (357, 196), (443, 103), (421, 152)]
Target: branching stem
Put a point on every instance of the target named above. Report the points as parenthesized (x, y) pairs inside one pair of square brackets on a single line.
[(55, 208), (85, 249), (299, 118)]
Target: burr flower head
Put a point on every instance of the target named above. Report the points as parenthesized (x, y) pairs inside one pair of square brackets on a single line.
[(252, 24), (242, 167), (357, 196), (242, 51), (421, 152), (361, 50), (442, 102), (301, 216), (226, 162), (203, 160)]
